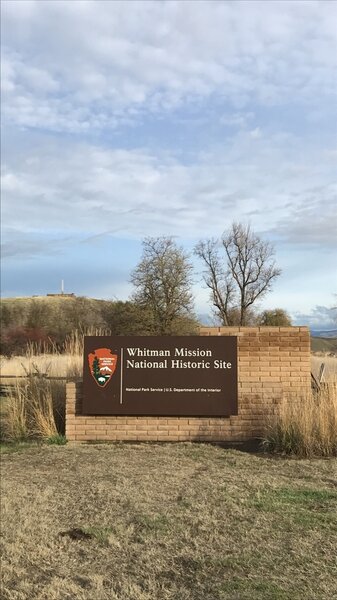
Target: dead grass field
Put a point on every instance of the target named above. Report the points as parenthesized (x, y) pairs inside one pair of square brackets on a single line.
[(330, 366), (168, 522), (54, 365)]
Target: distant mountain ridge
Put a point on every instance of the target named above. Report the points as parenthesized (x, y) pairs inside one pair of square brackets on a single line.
[(324, 333)]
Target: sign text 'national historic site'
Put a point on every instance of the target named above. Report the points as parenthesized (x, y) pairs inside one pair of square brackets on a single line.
[(188, 375)]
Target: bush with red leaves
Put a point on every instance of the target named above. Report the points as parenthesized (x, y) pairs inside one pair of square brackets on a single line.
[(14, 340)]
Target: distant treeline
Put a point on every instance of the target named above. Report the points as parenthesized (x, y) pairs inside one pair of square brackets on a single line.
[(49, 320)]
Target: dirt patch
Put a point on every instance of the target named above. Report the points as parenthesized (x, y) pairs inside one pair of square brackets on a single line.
[(180, 521)]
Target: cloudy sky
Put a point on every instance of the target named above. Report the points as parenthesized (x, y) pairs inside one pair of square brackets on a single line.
[(128, 119)]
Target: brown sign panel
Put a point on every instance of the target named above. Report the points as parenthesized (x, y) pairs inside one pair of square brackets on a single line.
[(164, 376)]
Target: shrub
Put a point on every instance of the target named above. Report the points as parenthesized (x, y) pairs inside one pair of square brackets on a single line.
[(15, 340), (58, 439), (306, 427), (277, 317)]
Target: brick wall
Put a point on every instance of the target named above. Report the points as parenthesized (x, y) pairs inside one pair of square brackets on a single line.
[(273, 362)]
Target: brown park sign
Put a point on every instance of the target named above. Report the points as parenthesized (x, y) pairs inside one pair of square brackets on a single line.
[(164, 376)]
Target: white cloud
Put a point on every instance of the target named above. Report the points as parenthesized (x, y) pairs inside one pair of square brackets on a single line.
[(321, 317), (237, 119), (72, 66), (91, 190), (313, 220), (256, 133)]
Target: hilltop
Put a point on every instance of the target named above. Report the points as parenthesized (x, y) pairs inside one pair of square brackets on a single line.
[(53, 300)]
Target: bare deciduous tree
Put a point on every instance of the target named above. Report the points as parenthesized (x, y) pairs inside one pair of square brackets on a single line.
[(216, 278), (163, 283), (243, 276)]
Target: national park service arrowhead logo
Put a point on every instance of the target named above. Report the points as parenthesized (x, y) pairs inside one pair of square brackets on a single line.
[(102, 365)]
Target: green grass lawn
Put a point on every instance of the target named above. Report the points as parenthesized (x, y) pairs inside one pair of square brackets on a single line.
[(179, 521)]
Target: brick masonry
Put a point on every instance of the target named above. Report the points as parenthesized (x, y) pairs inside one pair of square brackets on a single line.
[(273, 363)]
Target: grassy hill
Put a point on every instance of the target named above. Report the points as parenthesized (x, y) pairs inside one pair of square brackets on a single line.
[(326, 345), (45, 318), (53, 313), (40, 318), (23, 304)]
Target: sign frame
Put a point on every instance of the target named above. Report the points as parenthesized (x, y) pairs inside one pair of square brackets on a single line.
[(178, 376)]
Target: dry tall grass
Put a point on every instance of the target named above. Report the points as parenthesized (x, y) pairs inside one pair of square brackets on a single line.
[(35, 406), (14, 421), (43, 421), (33, 409), (330, 363), (51, 365), (50, 361), (305, 427)]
